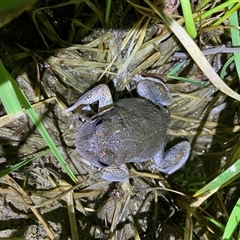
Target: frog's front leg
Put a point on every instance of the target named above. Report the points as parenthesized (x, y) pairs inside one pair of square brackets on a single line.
[(115, 173), (100, 93), (173, 159)]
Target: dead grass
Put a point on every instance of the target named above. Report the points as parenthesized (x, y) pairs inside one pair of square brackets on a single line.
[(40, 201)]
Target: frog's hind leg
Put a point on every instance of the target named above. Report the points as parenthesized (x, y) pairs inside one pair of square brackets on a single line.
[(154, 90), (174, 158)]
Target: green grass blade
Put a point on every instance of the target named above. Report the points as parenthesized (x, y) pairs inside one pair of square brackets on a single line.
[(8, 96), (21, 164), (235, 38), (233, 221), (37, 122), (228, 176), (42, 130), (188, 18), (216, 9), (225, 66), (108, 10), (176, 68), (10, 9)]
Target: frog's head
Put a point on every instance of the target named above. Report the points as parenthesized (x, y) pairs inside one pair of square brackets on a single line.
[(92, 146)]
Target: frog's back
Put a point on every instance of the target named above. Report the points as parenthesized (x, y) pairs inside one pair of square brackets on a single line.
[(133, 131), (143, 113), (139, 129)]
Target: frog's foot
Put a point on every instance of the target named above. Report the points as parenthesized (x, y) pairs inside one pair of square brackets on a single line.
[(100, 93), (153, 89), (173, 159), (115, 173)]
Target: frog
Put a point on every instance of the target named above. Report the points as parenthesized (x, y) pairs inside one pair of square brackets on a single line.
[(129, 130)]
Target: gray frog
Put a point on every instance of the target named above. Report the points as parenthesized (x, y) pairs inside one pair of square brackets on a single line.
[(131, 130)]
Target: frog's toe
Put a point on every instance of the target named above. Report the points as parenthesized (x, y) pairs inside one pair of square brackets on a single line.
[(115, 173), (175, 158)]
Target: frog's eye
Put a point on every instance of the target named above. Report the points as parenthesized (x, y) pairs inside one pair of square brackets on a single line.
[(103, 164), (96, 123)]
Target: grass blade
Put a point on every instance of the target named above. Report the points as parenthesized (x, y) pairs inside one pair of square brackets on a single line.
[(36, 120)]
